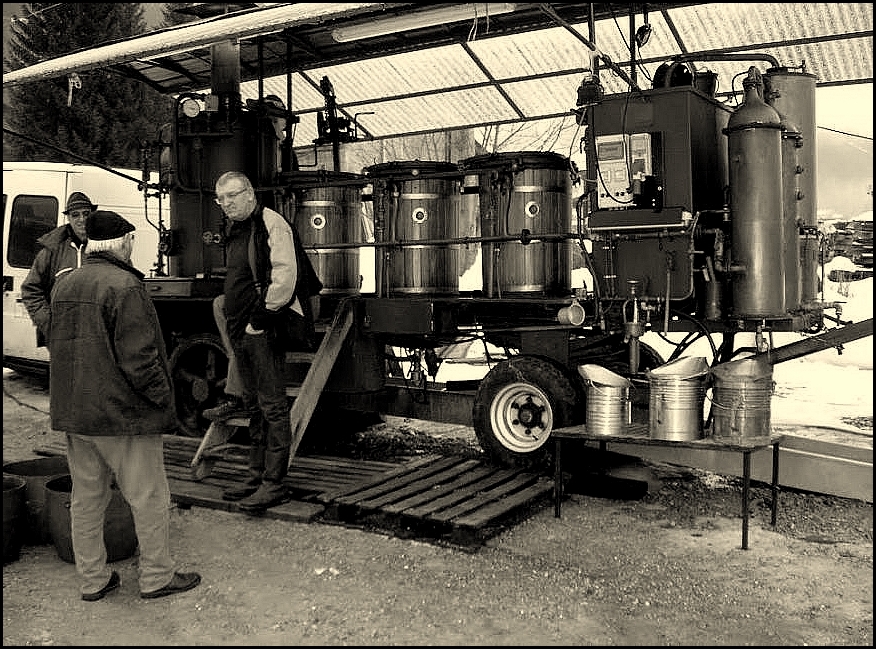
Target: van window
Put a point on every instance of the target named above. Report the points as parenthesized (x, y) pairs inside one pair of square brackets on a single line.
[(32, 217)]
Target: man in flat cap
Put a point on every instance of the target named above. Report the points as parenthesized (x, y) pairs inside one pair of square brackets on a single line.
[(110, 392), (61, 251)]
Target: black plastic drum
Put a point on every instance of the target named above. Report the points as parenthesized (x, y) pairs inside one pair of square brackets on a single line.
[(519, 191), (327, 209), (422, 204)]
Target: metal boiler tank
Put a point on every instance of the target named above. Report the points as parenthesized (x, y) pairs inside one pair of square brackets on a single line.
[(792, 94), (754, 134), (422, 202), (524, 193), (326, 208)]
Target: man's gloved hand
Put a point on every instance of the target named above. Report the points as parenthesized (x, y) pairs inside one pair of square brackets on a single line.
[(261, 319)]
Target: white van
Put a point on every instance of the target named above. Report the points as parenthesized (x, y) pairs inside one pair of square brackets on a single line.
[(34, 197)]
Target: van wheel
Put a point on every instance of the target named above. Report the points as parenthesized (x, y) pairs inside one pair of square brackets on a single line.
[(199, 368)]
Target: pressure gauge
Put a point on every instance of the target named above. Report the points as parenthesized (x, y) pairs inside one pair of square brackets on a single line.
[(191, 108)]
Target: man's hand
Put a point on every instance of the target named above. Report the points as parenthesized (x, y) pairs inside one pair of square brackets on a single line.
[(260, 320)]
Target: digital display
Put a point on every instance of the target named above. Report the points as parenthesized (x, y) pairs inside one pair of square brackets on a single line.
[(610, 150)]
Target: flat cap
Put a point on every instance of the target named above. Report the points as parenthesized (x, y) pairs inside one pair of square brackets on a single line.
[(104, 225)]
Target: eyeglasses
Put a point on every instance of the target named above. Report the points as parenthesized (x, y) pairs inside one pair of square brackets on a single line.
[(80, 214), (228, 197)]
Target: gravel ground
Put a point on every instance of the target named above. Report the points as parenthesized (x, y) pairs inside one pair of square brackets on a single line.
[(663, 568)]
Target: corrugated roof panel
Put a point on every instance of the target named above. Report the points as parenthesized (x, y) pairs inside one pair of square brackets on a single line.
[(526, 54), (402, 74), (448, 110), (612, 38), (835, 61), (547, 96), (721, 26)]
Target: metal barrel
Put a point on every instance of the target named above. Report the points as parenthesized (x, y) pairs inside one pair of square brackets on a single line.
[(741, 409), (324, 213), (524, 191), (676, 408), (424, 205), (608, 410)]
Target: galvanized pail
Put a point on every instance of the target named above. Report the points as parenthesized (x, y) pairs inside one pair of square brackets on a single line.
[(608, 410), (741, 395), (678, 393)]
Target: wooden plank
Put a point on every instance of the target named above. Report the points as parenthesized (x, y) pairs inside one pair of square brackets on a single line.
[(424, 484), (483, 498), (330, 496), (311, 389), (438, 491), (382, 485), (488, 481), (488, 514)]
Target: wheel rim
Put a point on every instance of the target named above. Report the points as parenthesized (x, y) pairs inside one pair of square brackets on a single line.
[(198, 369), (521, 417)]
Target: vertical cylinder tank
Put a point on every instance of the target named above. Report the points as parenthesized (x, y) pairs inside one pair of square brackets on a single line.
[(326, 208), (207, 146), (792, 94), (423, 206), (524, 192), (754, 134), (791, 143)]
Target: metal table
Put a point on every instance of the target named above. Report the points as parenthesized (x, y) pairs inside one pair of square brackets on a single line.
[(639, 434)]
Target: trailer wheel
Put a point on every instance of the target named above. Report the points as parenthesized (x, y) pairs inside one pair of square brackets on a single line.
[(613, 354), (198, 367), (517, 405)]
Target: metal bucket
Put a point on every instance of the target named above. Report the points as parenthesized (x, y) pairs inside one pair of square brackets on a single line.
[(524, 191), (119, 534), (14, 517), (324, 213), (422, 202), (35, 474), (609, 410), (741, 396), (678, 393)]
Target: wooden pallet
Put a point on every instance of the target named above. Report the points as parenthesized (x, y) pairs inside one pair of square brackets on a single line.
[(447, 499), (463, 502)]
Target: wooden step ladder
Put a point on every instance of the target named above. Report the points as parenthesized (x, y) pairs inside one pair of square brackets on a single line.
[(306, 395)]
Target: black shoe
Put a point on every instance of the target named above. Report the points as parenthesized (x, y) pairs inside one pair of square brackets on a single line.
[(181, 582), (114, 582), (269, 494), (239, 493), (228, 410)]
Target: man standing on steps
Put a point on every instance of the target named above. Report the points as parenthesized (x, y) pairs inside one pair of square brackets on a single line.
[(266, 277)]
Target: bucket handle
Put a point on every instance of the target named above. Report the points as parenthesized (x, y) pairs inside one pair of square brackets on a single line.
[(723, 407)]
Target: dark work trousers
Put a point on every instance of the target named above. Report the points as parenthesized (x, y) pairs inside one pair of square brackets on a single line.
[(261, 370)]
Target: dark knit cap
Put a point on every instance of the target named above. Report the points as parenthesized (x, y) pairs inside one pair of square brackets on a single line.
[(104, 225), (78, 200)]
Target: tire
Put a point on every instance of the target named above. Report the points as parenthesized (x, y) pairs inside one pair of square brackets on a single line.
[(613, 355), (540, 390), (199, 368)]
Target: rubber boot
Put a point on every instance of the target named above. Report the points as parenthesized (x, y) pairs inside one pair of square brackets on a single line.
[(272, 491), (254, 481), (269, 494)]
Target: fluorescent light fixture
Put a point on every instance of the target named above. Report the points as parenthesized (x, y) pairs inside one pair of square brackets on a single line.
[(420, 19)]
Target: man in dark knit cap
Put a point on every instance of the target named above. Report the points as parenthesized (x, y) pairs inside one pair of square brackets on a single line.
[(61, 251), (110, 392)]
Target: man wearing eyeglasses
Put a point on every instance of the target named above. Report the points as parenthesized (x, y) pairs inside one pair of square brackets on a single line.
[(265, 276), (61, 251)]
